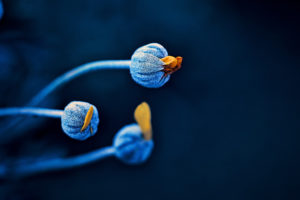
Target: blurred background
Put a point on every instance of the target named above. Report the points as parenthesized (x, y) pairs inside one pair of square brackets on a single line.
[(226, 126)]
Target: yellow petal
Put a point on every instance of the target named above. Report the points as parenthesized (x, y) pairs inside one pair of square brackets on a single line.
[(170, 61), (142, 115), (87, 119)]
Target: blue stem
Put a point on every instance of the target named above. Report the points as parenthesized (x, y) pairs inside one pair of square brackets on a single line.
[(76, 72), (42, 112), (59, 163), (67, 77)]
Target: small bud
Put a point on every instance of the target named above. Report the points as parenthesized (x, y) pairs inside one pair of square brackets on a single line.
[(80, 120)]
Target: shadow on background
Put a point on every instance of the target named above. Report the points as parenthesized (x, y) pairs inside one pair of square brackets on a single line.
[(226, 126)]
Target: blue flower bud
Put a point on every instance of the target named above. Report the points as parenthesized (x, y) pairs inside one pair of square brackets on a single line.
[(148, 67), (80, 120), (131, 147)]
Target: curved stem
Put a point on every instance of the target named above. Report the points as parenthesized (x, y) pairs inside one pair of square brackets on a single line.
[(67, 77), (42, 112), (61, 163), (76, 72)]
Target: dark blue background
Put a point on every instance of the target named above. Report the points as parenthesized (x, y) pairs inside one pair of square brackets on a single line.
[(226, 126)]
